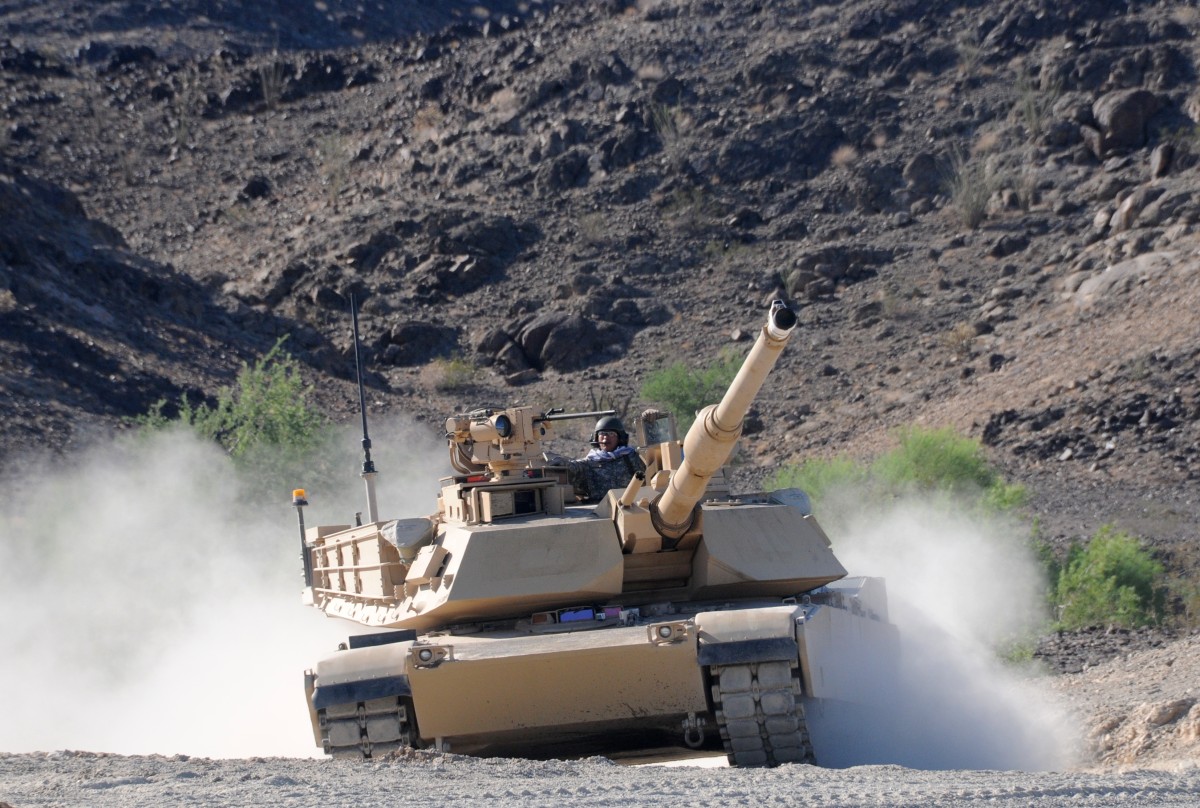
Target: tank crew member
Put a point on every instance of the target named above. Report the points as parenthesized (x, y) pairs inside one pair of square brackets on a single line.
[(609, 440), (611, 463)]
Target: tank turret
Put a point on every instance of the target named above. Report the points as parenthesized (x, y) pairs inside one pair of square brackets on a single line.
[(523, 616)]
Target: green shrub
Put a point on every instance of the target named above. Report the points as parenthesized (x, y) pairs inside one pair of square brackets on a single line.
[(935, 458), (818, 476), (266, 409), (1113, 580), (1035, 104), (669, 124), (941, 460), (683, 390), (1018, 650), (927, 460), (1186, 592)]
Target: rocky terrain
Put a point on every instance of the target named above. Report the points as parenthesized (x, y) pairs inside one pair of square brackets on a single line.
[(984, 212)]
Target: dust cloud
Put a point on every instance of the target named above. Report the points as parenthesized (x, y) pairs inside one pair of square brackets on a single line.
[(152, 606), (152, 603), (960, 584)]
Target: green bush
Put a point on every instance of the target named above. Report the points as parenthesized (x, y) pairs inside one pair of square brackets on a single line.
[(818, 476), (265, 410), (935, 458), (1113, 580), (683, 390), (452, 375), (927, 460)]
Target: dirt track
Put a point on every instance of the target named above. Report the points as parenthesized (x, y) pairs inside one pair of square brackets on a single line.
[(83, 779)]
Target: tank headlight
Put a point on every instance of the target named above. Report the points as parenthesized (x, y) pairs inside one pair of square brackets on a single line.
[(667, 633), (431, 656)]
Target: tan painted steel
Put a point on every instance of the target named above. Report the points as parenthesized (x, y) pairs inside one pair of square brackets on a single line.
[(526, 684), (480, 571), (752, 550)]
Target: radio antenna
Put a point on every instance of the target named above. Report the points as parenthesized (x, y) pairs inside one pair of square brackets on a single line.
[(368, 466)]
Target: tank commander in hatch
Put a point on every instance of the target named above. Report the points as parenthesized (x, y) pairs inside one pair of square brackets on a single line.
[(611, 463), (609, 441)]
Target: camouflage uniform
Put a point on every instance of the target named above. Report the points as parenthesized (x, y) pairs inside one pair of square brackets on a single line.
[(594, 478)]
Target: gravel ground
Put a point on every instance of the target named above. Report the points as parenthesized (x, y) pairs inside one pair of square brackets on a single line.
[(76, 778)]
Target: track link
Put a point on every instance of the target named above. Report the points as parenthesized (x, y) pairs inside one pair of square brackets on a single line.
[(367, 729), (759, 713)]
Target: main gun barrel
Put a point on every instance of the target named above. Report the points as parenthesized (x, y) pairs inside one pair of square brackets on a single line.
[(709, 442)]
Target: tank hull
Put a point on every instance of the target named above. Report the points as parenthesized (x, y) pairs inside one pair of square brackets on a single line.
[(732, 675)]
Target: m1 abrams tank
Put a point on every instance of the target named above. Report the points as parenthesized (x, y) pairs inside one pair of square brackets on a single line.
[(516, 620)]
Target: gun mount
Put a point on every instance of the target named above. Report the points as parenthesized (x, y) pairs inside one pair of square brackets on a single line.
[(504, 441), (503, 617)]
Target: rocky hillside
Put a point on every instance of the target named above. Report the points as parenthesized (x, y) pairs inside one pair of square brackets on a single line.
[(985, 213)]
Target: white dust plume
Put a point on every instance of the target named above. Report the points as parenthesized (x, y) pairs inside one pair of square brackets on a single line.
[(151, 606), (959, 584)]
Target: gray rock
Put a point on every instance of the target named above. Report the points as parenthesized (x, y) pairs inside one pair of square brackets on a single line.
[(1166, 206), (1123, 116), (415, 343), (923, 174), (569, 170), (1127, 212), (574, 342), (1124, 276), (492, 341), (1160, 160)]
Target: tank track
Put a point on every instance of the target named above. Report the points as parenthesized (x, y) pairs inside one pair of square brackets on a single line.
[(760, 714), (367, 729)]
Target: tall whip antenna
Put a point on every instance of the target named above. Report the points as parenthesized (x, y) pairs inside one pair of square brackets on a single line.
[(368, 466)]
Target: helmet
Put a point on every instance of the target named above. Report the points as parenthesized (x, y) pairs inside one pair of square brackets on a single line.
[(610, 423)]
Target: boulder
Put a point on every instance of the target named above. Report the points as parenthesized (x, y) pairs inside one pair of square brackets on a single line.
[(1170, 204), (566, 341), (1160, 160), (569, 170), (456, 274), (923, 174), (1124, 276), (415, 343), (572, 344), (1123, 116), (1127, 212)]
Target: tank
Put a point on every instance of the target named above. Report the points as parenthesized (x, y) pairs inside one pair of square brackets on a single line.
[(519, 618)]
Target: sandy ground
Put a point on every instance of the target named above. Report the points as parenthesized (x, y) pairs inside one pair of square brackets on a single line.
[(72, 779)]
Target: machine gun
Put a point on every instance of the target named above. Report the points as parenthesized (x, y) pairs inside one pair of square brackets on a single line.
[(502, 442)]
